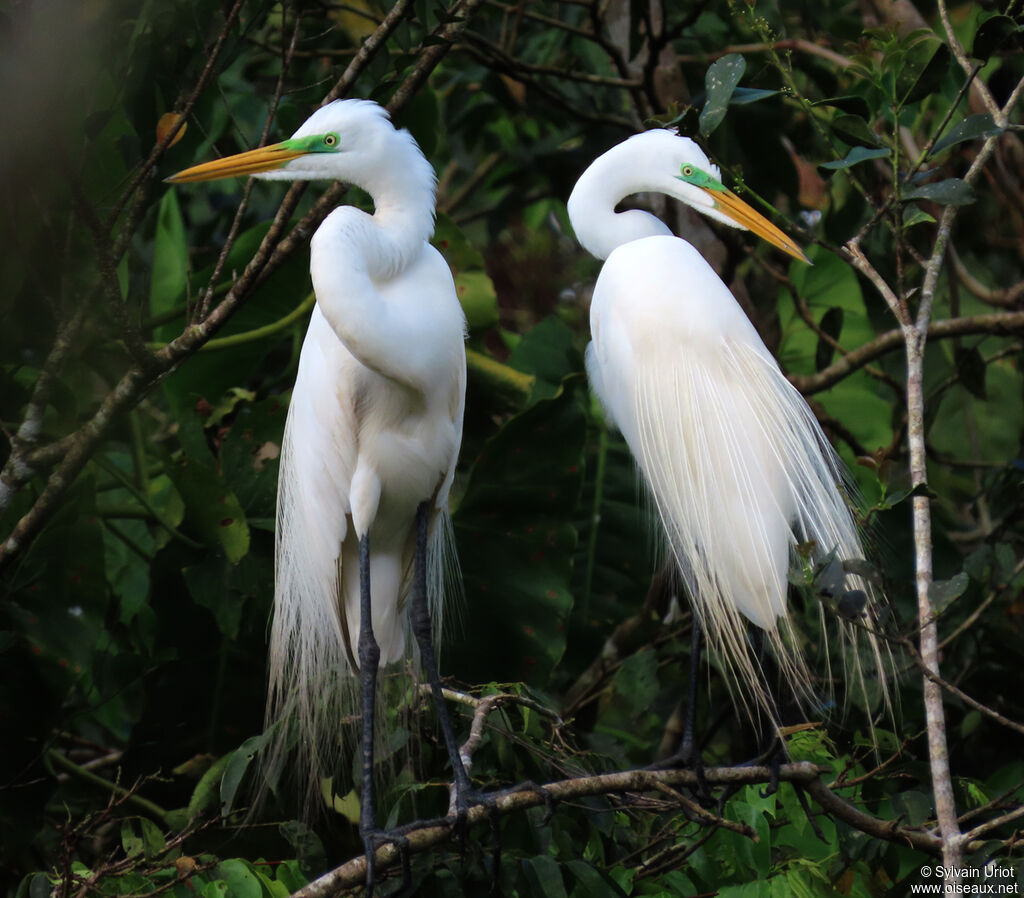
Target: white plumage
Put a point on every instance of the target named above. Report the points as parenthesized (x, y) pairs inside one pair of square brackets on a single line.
[(736, 464), (373, 428)]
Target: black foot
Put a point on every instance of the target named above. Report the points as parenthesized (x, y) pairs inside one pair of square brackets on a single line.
[(774, 763), (689, 760), (373, 840), (467, 798), (531, 786)]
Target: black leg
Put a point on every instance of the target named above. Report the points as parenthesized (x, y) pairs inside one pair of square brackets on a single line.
[(688, 754), (421, 629), (369, 660), (688, 751)]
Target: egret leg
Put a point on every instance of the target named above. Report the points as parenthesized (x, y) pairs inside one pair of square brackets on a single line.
[(421, 629), (688, 754), (369, 662)]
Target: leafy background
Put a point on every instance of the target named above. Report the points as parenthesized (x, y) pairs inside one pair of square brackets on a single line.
[(134, 614)]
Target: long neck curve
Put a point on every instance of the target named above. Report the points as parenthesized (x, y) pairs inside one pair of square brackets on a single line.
[(609, 179), (401, 184)]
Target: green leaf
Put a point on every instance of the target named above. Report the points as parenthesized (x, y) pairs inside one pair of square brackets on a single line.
[(207, 790), (592, 883), (170, 258), (850, 103), (759, 888), (854, 130), (720, 81), (153, 840), (478, 297), (545, 876), (290, 874), (131, 842), (309, 849), (39, 886), (971, 721), (832, 325), (548, 352), (211, 508), (742, 96), (992, 35), (1005, 562), (241, 881), (943, 592), (233, 772), (925, 65), (250, 454), (453, 244), (974, 127), (216, 889), (912, 215), (857, 154), (637, 680), (951, 192)]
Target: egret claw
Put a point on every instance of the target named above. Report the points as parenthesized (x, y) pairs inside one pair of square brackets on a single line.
[(374, 839)]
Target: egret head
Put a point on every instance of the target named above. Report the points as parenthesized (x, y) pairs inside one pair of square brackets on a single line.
[(346, 140), (684, 172)]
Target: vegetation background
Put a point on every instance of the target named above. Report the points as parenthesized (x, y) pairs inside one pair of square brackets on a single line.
[(149, 343)]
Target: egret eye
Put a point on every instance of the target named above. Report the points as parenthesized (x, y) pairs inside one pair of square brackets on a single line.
[(688, 170), (330, 140)]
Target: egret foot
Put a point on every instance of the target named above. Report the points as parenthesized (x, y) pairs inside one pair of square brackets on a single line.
[(531, 786), (689, 760), (372, 840), (775, 760), (464, 800)]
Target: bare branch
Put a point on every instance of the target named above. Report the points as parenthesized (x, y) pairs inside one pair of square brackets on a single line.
[(428, 834), (998, 324)]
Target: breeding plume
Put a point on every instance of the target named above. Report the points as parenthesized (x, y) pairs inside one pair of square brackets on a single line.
[(736, 464), (371, 440)]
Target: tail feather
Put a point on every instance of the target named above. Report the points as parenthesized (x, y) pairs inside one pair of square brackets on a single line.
[(313, 692), (740, 473), (310, 688)]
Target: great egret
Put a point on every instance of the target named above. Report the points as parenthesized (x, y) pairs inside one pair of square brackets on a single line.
[(737, 465), (371, 441)]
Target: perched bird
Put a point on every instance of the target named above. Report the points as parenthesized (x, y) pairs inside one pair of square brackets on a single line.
[(370, 444), (737, 466)]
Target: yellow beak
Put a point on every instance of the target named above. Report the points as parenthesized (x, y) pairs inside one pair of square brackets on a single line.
[(250, 163), (728, 203)]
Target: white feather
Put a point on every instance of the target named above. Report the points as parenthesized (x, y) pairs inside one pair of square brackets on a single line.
[(373, 431), (736, 464)]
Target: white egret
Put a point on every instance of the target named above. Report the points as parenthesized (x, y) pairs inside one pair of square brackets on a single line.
[(736, 464), (371, 441)]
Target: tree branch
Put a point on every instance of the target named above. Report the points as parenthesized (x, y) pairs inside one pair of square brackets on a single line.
[(999, 323), (428, 834)]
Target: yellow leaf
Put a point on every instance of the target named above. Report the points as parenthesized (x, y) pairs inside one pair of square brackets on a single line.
[(167, 121)]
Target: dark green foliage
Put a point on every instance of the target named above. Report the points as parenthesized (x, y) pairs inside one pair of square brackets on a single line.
[(133, 619)]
